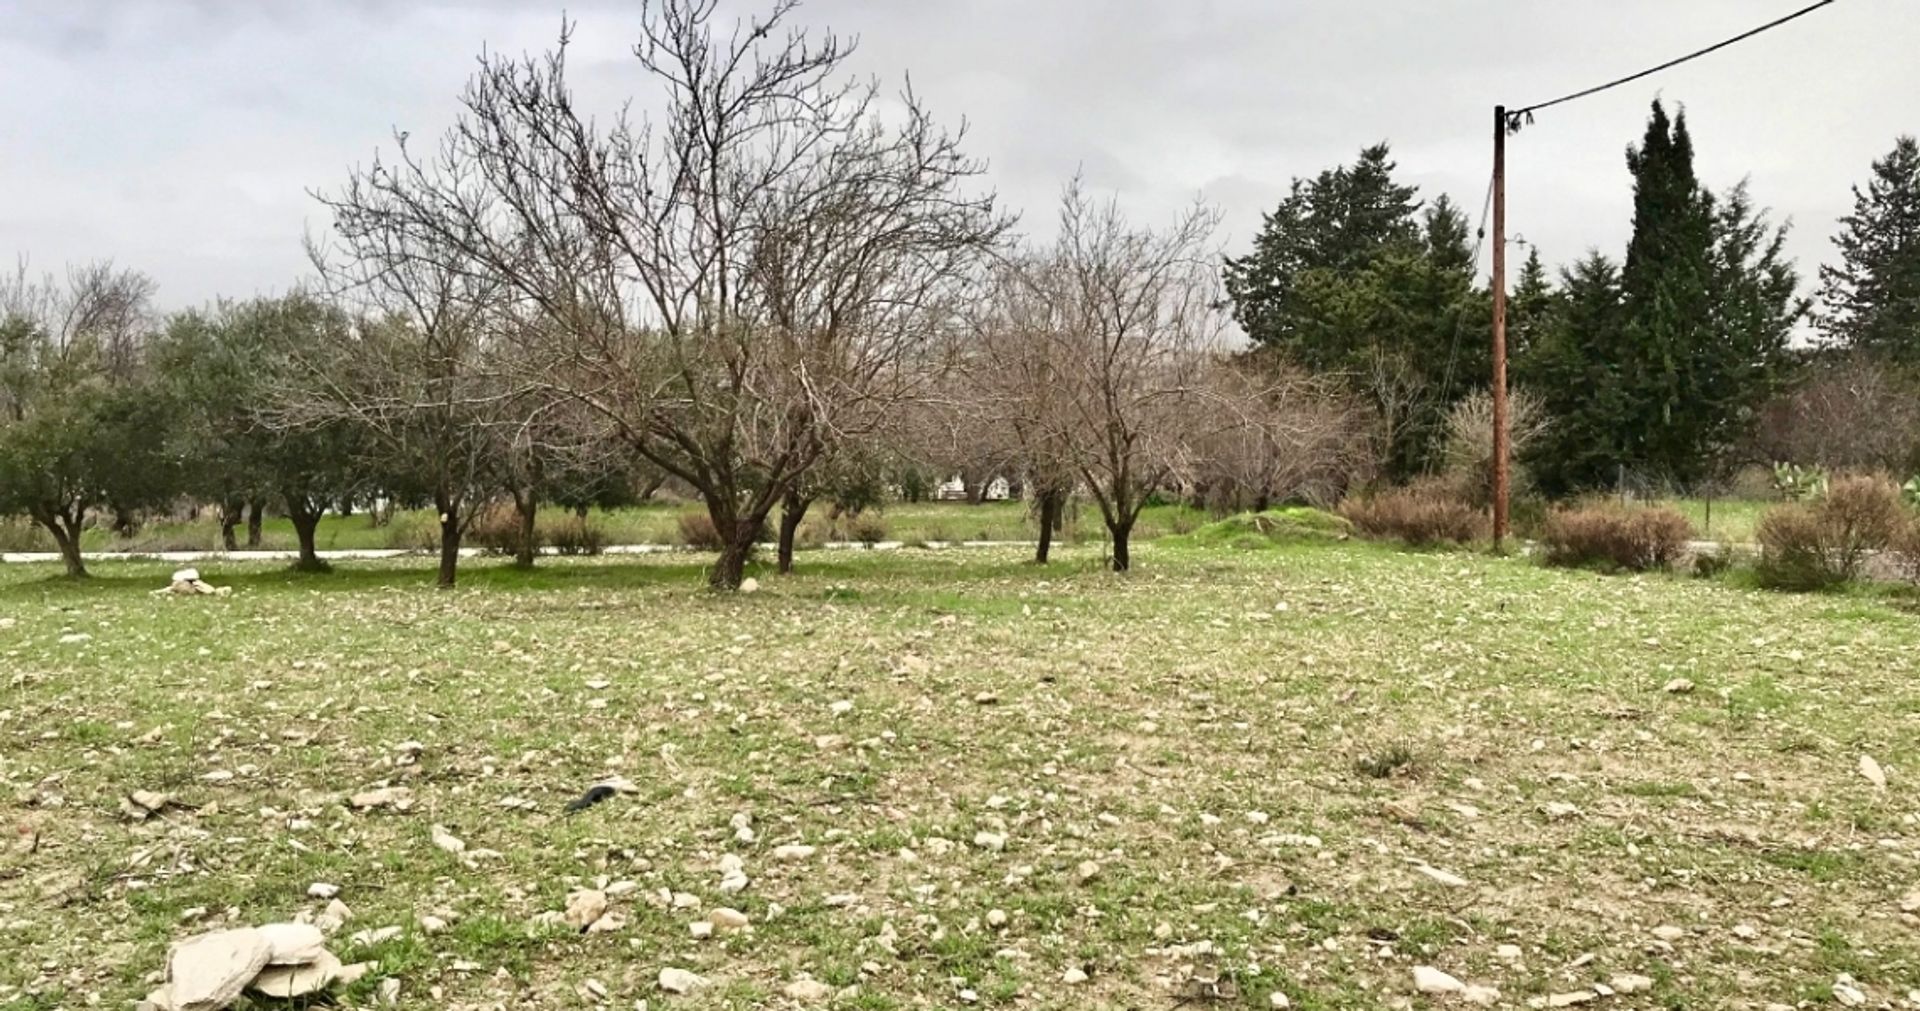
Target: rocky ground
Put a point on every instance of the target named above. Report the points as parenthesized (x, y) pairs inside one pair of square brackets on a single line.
[(1314, 777)]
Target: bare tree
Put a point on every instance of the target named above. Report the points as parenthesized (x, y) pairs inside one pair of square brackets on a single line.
[(1847, 412), (1134, 327), (1302, 438), (1014, 401), (415, 375), (734, 286)]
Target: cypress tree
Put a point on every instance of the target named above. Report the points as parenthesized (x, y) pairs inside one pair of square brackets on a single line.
[(1666, 294)]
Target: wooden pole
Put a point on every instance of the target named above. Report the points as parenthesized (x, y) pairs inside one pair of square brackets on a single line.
[(1499, 326)]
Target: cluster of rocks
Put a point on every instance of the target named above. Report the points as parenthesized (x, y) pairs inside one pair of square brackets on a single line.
[(279, 960), (187, 583)]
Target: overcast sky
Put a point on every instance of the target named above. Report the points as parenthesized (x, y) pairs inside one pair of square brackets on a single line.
[(181, 137)]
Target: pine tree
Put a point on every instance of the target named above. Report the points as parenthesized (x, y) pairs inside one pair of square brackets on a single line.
[(1349, 276), (1330, 227), (1872, 297), (1529, 306)]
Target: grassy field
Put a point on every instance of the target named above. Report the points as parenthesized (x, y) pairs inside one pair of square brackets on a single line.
[(648, 524), (1303, 770)]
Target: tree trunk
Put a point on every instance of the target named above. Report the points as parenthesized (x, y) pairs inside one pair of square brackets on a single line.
[(731, 566), (229, 518), (580, 513), (793, 509), (1049, 518), (65, 529), (1122, 533), (125, 523), (449, 546), (976, 491), (527, 507), (305, 524), (254, 511)]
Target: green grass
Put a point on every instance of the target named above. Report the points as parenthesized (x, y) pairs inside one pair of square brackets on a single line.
[(1260, 778), (1730, 520)]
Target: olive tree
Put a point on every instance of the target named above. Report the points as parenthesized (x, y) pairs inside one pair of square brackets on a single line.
[(82, 424)]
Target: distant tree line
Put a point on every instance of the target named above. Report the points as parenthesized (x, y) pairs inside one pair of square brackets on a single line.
[(772, 295)]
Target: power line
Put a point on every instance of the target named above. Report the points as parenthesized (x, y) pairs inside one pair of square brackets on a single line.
[(1513, 118)]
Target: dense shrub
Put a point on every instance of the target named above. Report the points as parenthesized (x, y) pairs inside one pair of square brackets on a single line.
[(1615, 536), (577, 536), (867, 528), (697, 531), (1806, 546), (1422, 514), (21, 535), (495, 530), (413, 532)]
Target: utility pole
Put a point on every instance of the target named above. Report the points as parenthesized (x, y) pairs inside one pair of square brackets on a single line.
[(1499, 326)]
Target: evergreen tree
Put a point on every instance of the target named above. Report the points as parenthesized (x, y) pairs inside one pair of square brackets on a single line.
[(1530, 306), (1666, 292), (1330, 227), (1576, 346), (1657, 368), (1754, 307), (1349, 276), (1872, 297)]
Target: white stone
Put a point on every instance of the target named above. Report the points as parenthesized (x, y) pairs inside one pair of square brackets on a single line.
[(289, 981), (430, 924), (293, 943), (208, 972), (1427, 979), (680, 980), (996, 918), (727, 920), (807, 991), (792, 852), (1483, 996), (1871, 769), (447, 840), (1446, 878), (700, 929), (375, 935), (1279, 1001), (1678, 686), (990, 841), (749, 585), (1668, 933), (1073, 977), (398, 797), (1628, 982), (1508, 953), (322, 890), (584, 907)]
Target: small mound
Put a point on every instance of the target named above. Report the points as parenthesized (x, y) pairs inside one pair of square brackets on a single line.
[(1290, 525)]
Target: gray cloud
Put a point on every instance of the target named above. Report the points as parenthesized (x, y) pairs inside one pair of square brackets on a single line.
[(181, 137)]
